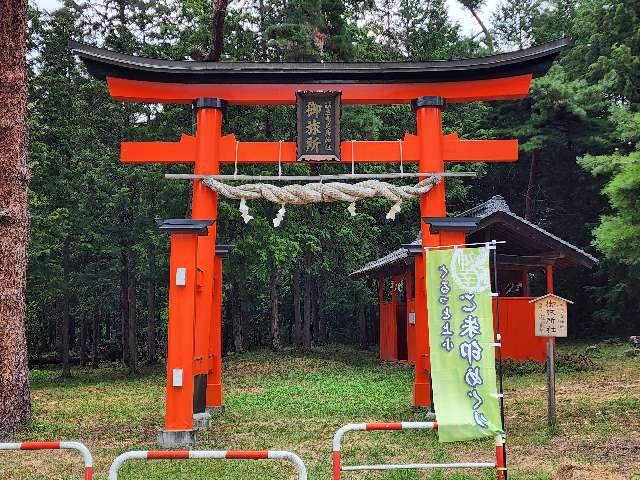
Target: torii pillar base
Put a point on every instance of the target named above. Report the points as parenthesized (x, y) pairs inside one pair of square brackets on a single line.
[(201, 421), (213, 411), (177, 438)]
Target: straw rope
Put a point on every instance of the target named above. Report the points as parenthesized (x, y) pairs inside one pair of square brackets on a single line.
[(297, 194), (321, 192)]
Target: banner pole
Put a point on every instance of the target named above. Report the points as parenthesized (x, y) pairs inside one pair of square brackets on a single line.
[(500, 381)]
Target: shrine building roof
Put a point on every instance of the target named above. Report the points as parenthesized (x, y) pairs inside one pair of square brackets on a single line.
[(527, 244)]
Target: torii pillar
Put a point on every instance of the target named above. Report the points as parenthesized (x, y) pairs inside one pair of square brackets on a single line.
[(207, 356), (432, 204)]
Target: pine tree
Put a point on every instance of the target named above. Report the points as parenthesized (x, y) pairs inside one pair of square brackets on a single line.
[(15, 402)]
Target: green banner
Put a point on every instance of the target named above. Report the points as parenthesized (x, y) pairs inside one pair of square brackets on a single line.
[(461, 338)]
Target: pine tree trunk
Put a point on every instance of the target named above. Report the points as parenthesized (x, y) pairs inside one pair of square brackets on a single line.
[(51, 328), (362, 327), (217, 30), (15, 399), (237, 323), (487, 35), (244, 318), (275, 320), (66, 314), (306, 323), (297, 313), (528, 199), (152, 342), (84, 334), (95, 337), (132, 332), (315, 318), (124, 305)]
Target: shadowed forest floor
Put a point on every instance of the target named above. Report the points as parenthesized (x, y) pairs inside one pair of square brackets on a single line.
[(289, 402)]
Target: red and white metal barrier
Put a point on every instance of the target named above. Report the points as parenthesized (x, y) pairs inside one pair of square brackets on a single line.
[(338, 468), (297, 462), (84, 451)]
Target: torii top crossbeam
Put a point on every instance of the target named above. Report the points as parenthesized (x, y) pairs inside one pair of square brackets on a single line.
[(498, 77)]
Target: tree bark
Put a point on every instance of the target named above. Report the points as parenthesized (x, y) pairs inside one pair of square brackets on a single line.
[(217, 30), (132, 336), (152, 342), (275, 320), (297, 313), (15, 399), (66, 315)]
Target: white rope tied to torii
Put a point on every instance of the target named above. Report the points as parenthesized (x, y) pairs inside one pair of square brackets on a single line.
[(321, 190), (297, 194)]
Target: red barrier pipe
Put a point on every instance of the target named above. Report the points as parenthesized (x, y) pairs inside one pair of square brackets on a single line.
[(336, 461), (247, 454), (167, 454), (384, 426)]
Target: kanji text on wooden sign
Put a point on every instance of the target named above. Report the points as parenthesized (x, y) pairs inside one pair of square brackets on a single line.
[(318, 115), (551, 316)]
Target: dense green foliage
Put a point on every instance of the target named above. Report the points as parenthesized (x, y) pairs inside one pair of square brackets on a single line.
[(98, 267)]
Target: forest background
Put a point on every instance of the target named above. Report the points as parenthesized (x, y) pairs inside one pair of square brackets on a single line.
[(97, 278)]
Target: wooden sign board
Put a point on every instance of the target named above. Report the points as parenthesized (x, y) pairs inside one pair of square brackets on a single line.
[(551, 316), (318, 125)]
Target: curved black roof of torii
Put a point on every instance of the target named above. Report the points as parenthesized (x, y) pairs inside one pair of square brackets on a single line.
[(102, 63)]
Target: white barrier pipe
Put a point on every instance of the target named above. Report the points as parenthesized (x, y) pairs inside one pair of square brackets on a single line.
[(336, 459), (84, 451), (291, 457)]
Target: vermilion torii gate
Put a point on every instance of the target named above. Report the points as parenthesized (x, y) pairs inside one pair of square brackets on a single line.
[(194, 345)]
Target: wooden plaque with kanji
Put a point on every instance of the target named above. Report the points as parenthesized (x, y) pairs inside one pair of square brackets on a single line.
[(551, 316), (318, 125)]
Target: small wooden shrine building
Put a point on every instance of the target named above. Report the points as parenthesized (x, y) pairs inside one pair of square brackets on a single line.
[(528, 249)]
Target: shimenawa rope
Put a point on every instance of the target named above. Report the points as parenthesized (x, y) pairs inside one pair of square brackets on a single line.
[(297, 194)]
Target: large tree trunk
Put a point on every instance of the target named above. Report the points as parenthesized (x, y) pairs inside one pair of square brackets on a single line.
[(152, 327), (15, 400), (297, 312), (66, 314), (275, 320), (132, 337)]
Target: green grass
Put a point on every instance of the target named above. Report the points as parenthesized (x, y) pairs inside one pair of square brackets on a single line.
[(290, 402)]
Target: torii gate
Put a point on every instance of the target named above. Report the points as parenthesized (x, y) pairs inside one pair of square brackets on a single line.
[(194, 344)]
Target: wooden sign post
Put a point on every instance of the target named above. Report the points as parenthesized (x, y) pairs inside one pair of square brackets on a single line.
[(551, 322)]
